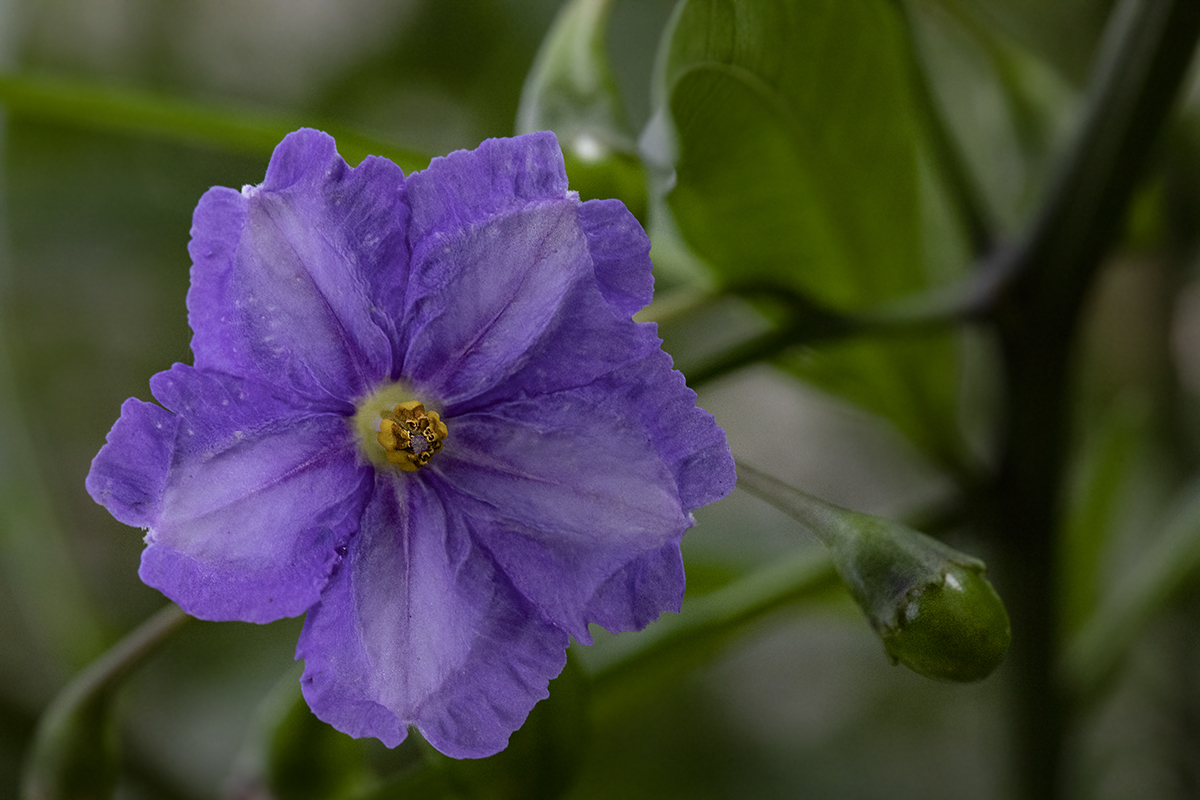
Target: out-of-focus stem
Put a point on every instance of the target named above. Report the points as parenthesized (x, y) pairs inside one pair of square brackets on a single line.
[(114, 108), (708, 623), (1038, 291), (947, 155), (71, 756)]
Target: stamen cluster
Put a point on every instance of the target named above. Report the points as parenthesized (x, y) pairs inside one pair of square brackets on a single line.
[(410, 435)]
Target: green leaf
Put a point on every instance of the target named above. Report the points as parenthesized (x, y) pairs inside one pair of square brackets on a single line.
[(543, 755), (912, 382), (797, 148), (1005, 109), (307, 759), (95, 105), (796, 165), (571, 90)]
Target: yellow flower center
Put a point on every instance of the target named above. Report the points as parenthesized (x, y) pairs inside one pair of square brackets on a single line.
[(410, 435), (395, 430)]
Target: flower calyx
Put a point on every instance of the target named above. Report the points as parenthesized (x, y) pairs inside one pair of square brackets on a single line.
[(410, 435)]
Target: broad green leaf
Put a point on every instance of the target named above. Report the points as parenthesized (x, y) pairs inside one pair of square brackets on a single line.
[(796, 165), (797, 151), (911, 382), (571, 90)]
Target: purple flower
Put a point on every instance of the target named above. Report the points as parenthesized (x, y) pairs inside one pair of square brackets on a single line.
[(421, 413)]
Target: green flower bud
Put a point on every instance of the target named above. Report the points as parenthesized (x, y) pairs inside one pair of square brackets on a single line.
[(929, 603), (954, 631)]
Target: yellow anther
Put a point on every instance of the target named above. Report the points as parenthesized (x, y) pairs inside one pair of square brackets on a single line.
[(410, 435)]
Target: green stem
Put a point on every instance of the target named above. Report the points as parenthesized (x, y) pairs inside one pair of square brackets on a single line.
[(708, 622), (948, 157), (1145, 53), (128, 654), (763, 347), (1039, 289), (809, 323), (125, 110), (823, 520), (71, 754)]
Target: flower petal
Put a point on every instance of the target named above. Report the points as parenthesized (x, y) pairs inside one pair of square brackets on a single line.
[(532, 297), (128, 473), (636, 595), (620, 252), (686, 437), (496, 178), (417, 627), (289, 278), (259, 495), (564, 493), (484, 295), (497, 247)]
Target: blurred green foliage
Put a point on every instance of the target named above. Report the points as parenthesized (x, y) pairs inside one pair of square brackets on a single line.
[(834, 190)]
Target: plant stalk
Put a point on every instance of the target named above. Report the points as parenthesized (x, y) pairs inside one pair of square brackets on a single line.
[(1040, 290)]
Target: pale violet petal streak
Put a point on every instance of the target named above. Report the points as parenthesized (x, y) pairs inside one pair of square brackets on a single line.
[(258, 497), (512, 307), (482, 297), (287, 277), (494, 249), (564, 493), (418, 627), (534, 297), (686, 437), (581, 344)]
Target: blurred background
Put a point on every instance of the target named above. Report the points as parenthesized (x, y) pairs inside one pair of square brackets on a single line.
[(94, 220)]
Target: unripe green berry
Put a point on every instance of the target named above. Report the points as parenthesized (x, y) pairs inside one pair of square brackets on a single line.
[(929, 603), (956, 630)]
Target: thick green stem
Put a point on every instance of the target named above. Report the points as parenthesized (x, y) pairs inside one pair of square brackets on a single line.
[(808, 323), (1040, 290)]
